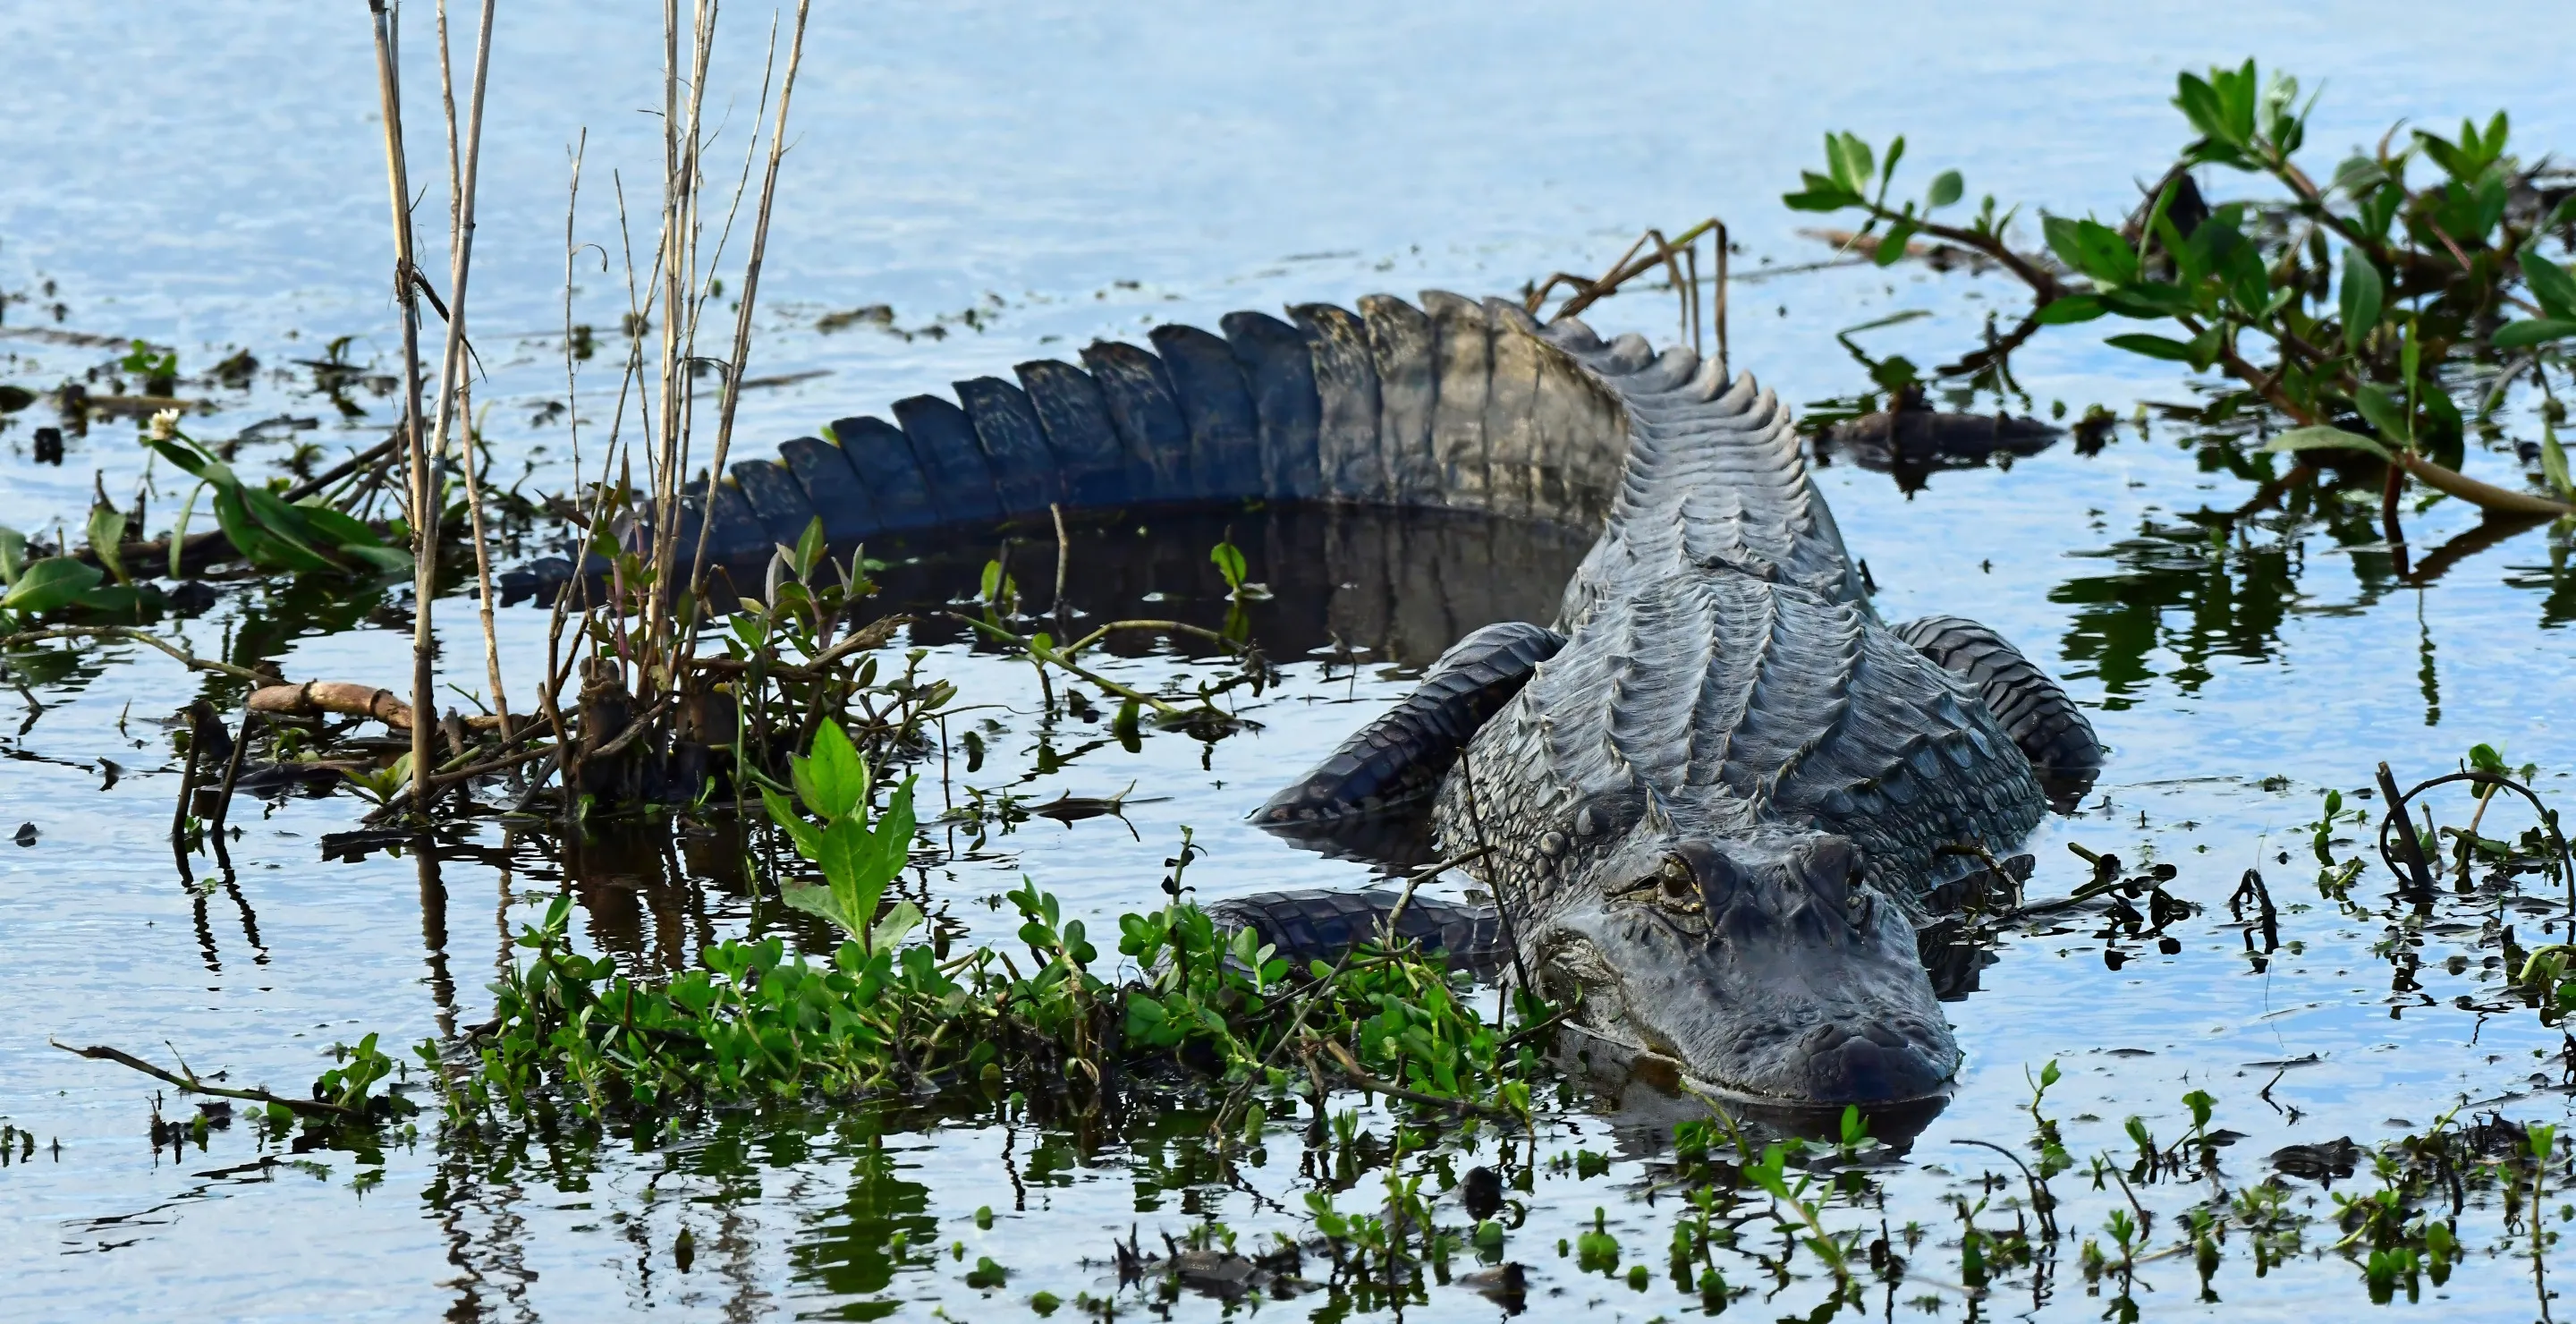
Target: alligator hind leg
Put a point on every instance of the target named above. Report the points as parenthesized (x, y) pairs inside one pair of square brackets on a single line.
[(1314, 925), (2051, 731), (1396, 762)]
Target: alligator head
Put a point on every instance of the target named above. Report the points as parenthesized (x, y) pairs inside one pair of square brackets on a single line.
[(1761, 961)]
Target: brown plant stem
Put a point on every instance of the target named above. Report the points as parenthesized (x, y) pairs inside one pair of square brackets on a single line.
[(1055, 658), (455, 391), (1360, 1076), (743, 305), (190, 1083), (313, 698), (423, 482), (178, 654)]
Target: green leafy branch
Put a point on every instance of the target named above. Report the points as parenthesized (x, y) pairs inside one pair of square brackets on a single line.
[(2356, 364)]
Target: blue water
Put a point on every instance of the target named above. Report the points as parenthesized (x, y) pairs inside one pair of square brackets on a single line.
[(211, 178)]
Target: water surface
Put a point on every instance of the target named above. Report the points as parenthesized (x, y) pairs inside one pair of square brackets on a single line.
[(210, 179)]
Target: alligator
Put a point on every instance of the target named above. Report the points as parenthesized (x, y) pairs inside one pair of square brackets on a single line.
[(1716, 798)]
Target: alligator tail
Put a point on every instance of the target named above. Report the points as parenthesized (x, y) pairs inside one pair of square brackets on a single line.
[(1454, 404)]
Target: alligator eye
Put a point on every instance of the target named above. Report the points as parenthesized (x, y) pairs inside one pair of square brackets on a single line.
[(1671, 887), (1858, 907), (1676, 888)]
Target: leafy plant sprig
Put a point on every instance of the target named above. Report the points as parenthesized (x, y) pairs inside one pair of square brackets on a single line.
[(2364, 364)]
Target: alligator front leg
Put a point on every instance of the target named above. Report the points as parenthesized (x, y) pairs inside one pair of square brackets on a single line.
[(1394, 764), (2033, 709)]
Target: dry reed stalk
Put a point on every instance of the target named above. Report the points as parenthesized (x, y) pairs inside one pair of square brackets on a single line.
[(682, 138), (750, 290), (455, 391), (423, 483), (549, 706)]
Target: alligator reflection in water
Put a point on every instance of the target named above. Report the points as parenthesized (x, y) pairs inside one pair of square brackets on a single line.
[(1402, 584)]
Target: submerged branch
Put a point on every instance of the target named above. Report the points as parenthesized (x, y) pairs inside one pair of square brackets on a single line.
[(180, 655), (190, 1083)]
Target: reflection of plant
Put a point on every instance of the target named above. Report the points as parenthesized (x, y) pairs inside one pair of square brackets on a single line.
[(2427, 273)]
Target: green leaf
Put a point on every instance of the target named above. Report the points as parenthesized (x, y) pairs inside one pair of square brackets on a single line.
[(1229, 562), (2093, 248), (385, 560), (848, 858), (809, 547), (338, 530), (2551, 285), (894, 832), (2536, 331), (900, 920), (50, 583), (2199, 104), (13, 554), (2382, 412), (1891, 246), (2069, 309), (1946, 189), (106, 537), (119, 600), (196, 464), (285, 524), (1887, 171), (2358, 175), (2323, 438), (2553, 464), (2361, 298), (2149, 299), (2154, 347), (809, 843), (1821, 195), (833, 780), (1850, 160), (2455, 163)]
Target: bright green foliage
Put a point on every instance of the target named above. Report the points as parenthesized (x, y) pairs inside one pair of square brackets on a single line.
[(275, 534), (33, 588), (2431, 270), (1229, 562), (858, 851), (158, 370), (753, 1023), (56, 581), (350, 1084)]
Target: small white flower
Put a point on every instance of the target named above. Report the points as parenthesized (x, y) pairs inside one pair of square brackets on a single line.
[(165, 425)]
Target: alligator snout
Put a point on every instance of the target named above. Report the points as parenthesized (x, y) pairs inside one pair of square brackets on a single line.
[(1871, 1064)]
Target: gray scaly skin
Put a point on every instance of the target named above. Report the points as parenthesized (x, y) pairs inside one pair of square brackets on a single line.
[(1713, 800), (1717, 810)]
